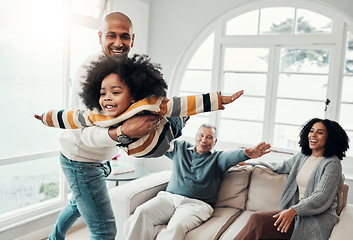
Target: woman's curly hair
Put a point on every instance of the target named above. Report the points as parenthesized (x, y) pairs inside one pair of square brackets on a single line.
[(143, 78), (337, 141)]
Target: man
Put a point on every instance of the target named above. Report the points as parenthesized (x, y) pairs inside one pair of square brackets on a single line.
[(85, 153), (192, 190)]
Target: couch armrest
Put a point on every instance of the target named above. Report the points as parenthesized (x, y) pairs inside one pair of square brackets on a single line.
[(343, 229), (126, 197)]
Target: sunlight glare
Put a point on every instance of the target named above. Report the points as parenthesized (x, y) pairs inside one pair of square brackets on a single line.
[(46, 20)]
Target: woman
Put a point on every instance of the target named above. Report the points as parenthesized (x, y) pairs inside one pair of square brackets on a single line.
[(308, 209)]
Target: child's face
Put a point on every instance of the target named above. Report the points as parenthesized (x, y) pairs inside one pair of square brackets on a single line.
[(115, 95)]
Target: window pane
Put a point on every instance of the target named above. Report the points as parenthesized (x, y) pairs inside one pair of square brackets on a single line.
[(203, 57), (193, 124), (347, 89), (236, 26), (311, 22), (89, 8), (305, 60), (80, 51), (277, 20), (247, 108), (286, 136), (246, 59), (27, 183), (298, 112), (302, 86), (346, 116), (349, 153), (196, 81), (240, 131), (30, 74), (349, 54), (234, 82)]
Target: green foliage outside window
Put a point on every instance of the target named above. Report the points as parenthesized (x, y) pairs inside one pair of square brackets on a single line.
[(50, 190)]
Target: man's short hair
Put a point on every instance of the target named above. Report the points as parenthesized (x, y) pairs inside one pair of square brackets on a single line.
[(208, 125)]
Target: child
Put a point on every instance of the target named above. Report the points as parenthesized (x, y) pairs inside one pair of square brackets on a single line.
[(116, 90)]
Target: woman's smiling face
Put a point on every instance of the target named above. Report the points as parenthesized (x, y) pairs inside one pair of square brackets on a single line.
[(115, 95), (317, 139)]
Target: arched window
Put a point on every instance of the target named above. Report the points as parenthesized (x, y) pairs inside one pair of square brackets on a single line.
[(294, 63)]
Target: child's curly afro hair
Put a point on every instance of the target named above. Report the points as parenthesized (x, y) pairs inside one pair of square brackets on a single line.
[(143, 78)]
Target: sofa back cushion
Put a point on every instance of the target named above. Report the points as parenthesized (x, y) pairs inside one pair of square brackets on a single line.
[(233, 190), (342, 195), (265, 189)]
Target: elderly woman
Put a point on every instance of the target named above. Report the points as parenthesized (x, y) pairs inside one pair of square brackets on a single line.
[(307, 206)]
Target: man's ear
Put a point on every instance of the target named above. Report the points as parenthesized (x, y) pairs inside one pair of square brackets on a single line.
[(100, 37), (133, 39)]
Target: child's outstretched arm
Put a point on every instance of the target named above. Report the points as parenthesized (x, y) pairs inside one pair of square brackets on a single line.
[(194, 104), (230, 99), (38, 117), (67, 119)]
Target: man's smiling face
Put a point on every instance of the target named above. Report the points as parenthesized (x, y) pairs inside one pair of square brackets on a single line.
[(116, 38), (205, 140)]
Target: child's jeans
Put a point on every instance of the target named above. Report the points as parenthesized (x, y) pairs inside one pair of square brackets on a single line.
[(90, 199)]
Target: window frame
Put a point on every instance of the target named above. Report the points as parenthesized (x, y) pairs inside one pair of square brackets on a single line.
[(336, 41)]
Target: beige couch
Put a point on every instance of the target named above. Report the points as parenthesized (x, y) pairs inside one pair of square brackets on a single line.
[(243, 191)]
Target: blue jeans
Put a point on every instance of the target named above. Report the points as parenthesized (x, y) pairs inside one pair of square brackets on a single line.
[(90, 199)]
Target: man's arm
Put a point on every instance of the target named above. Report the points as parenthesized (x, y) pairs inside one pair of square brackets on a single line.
[(136, 127)]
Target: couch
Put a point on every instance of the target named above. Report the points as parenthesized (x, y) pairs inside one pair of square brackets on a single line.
[(244, 190)]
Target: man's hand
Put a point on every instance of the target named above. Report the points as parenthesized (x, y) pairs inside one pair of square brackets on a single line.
[(137, 126), (229, 99), (284, 219), (258, 151)]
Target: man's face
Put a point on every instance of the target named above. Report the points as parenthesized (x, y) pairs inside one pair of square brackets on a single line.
[(116, 38), (205, 140)]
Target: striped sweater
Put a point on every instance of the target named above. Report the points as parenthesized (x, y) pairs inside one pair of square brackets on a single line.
[(152, 145)]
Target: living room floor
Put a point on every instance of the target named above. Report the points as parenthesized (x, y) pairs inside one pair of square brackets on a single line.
[(79, 232)]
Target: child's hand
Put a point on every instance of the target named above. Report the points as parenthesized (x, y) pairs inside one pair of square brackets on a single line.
[(229, 99), (38, 117)]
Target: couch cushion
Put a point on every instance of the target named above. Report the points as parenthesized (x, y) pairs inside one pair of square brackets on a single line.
[(342, 194), (215, 226), (233, 190), (236, 226), (343, 229), (265, 189)]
